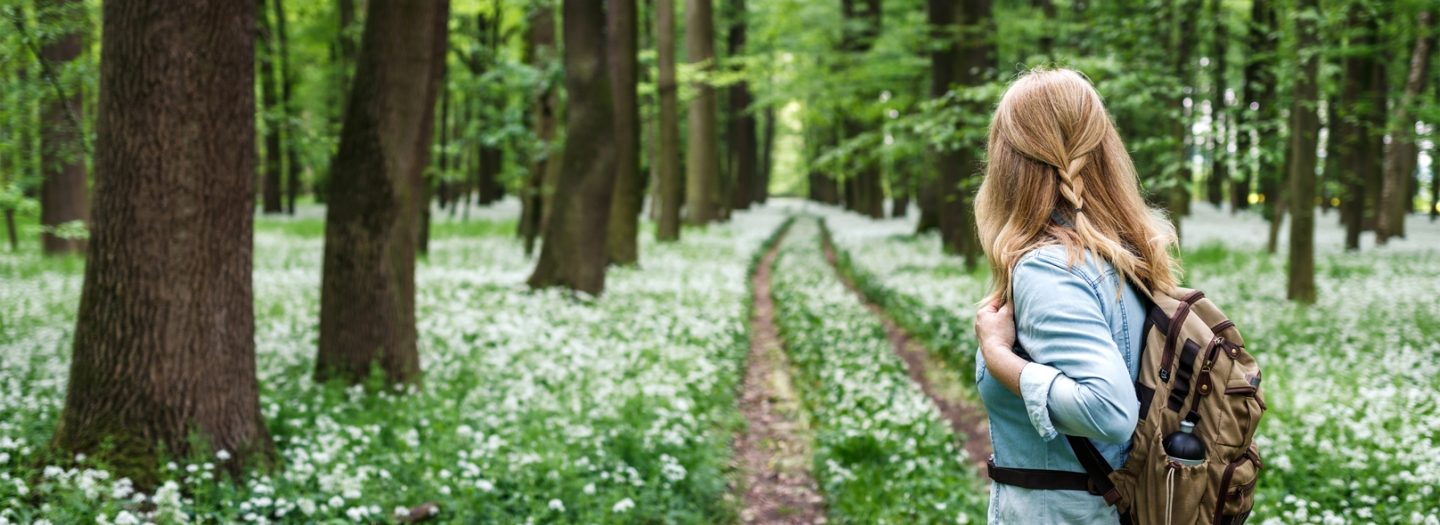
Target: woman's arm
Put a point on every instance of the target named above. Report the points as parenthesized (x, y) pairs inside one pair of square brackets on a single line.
[(1078, 383), (995, 326)]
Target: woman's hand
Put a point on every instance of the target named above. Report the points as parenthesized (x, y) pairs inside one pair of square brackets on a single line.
[(995, 327)]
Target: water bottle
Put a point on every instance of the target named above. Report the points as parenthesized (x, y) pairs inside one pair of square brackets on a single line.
[(1184, 447)]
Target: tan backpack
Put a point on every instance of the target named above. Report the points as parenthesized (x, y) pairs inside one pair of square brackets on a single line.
[(1194, 367)]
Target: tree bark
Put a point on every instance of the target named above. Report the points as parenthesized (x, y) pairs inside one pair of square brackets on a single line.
[(164, 345), (1351, 135), (1247, 118), (864, 193), (1304, 139), (573, 255), (1178, 196), (744, 154), (62, 186), (1219, 109), (702, 165), (270, 188), (1395, 199), (668, 163), (629, 194), (287, 100), (767, 151), (968, 64), (544, 107), (367, 296)]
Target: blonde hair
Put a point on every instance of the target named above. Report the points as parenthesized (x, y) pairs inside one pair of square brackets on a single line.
[(1053, 149)]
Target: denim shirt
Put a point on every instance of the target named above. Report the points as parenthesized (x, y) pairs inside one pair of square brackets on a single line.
[(1081, 328)]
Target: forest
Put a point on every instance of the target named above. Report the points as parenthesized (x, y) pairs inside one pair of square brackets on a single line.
[(664, 261)]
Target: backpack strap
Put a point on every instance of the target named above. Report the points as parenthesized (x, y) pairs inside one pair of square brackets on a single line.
[(1096, 466)]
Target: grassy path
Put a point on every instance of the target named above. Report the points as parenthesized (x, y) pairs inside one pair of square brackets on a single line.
[(966, 417), (774, 453)]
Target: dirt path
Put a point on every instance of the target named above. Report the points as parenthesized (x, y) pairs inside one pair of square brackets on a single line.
[(774, 453), (965, 417)]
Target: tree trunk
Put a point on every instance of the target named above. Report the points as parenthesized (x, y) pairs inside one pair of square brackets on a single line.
[(62, 187), (164, 338), (744, 145), (702, 160), (1351, 135), (1178, 197), (968, 64), (269, 107), (544, 106), (767, 151), (1219, 109), (367, 295), (10, 230), (629, 194), (1304, 138), (292, 141), (864, 193), (573, 255), (1395, 200), (927, 201), (668, 227), (1247, 118)]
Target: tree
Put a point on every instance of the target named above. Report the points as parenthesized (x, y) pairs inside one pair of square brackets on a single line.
[(702, 161), (270, 109), (1219, 109), (287, 101), (1304, 139), (860, 28), (1354, 116), (367, 295), (668, 163), (1395, 198), (744, 145), (573, 255), (969, 63), (164, 339), (545, 165), (629, 193), (62, 186)]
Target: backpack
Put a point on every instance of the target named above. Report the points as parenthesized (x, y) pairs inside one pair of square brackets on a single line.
[(1194, 367)]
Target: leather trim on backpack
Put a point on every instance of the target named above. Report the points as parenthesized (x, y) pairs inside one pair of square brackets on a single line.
[(1172, 334)]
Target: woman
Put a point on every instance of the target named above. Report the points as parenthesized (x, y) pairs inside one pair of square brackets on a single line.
[(1069, 239)]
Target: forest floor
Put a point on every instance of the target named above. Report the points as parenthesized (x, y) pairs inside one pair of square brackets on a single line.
[(637, 406)]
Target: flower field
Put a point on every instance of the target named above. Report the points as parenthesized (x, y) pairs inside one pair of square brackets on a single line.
[(1353, 383), (540, 407)]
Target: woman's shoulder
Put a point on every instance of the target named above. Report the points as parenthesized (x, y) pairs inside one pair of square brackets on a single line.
[(1053, 261)]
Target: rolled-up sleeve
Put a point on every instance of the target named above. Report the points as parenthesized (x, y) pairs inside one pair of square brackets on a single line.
[(1077, 382)]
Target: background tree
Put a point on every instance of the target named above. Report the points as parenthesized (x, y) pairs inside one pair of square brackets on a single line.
[(62, 190), (164, 340), (973, 66), (1395, 198), (271, 113), (367, 296), (573, 255), (744, 145), (1304, 139), (668, 161), (702, 164), (629, 193)]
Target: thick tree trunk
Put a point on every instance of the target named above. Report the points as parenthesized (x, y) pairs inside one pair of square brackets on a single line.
[(367, 296), (864, 193), (744, 145), (668, 227), (1304, 139), (629, 194), (702, 160), (970, 63), (1351, 134), (62, 188), (271, 188), (544, 107), (1219, 109), (1177, 199), (164, 337), (573, 255), (1395, 199), (287, 100)]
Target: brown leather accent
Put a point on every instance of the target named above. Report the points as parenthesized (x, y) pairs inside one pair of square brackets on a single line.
[(1145, 395), (1193, 296), (1183, 375), (1225, 483), (1222, 326), (1038, 479), (1247, 391), (1167, 357)]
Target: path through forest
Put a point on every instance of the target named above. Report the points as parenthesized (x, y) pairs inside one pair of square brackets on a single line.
[(774, 453), (966, 419)]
